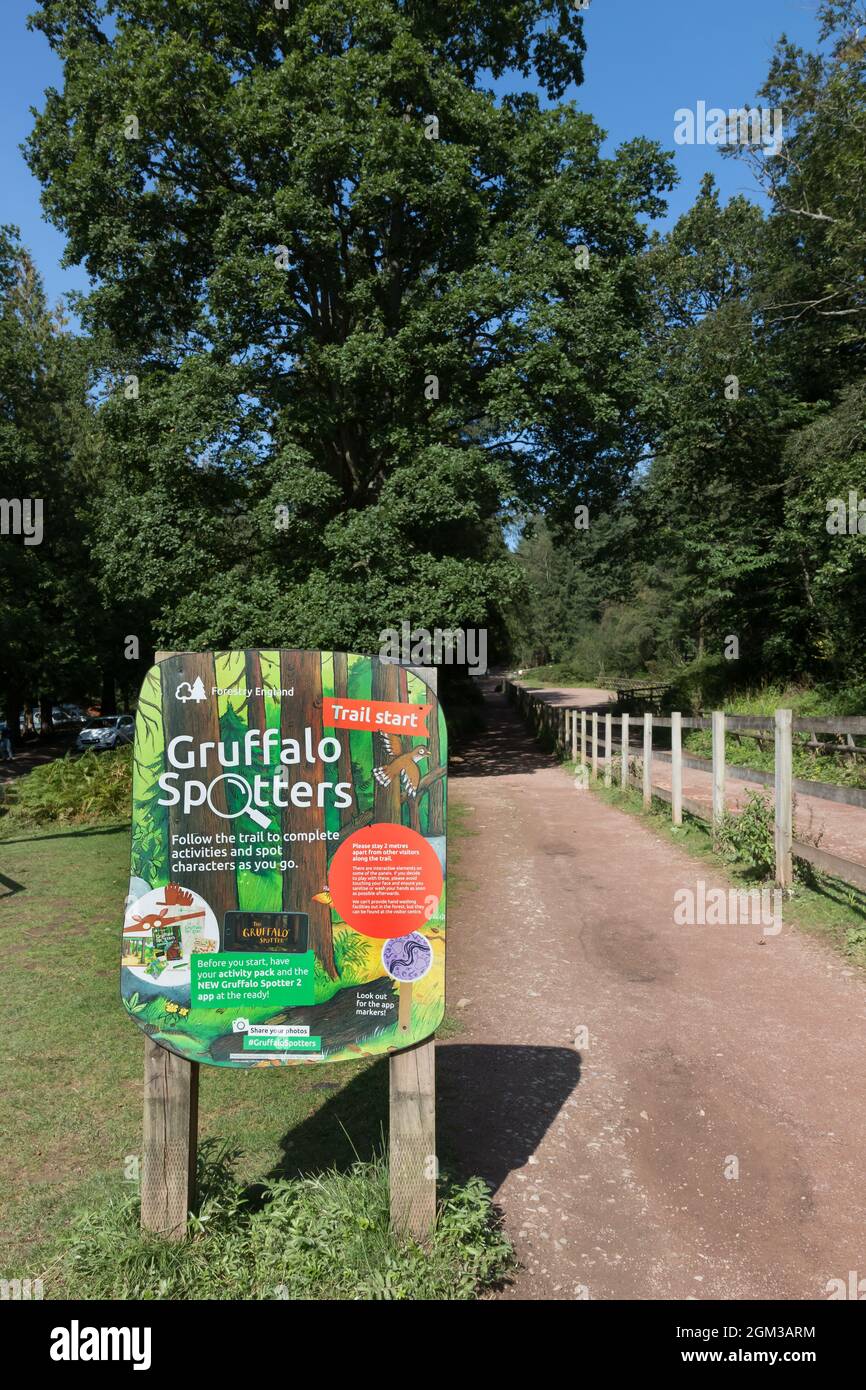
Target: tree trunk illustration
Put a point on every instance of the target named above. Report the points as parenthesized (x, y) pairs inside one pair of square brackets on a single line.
[(386, 800), (436, 792), (255, 703), (411, 801), (199, 720), (344, 764), (303, 671)]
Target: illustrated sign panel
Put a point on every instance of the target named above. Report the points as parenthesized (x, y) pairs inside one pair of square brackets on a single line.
[(287, 890)]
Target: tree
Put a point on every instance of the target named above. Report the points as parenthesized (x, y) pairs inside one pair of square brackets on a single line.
[(49, 608), (352, 286)]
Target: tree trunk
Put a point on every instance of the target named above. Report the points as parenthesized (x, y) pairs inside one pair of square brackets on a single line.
[(46, 722), (255, 703), (108, 702), (303, 670), (198, 719), (12, 713), (344, 764), (436, 794), (386, 800)]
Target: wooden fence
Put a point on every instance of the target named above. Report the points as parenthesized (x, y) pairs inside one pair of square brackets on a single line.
[(587, 737)]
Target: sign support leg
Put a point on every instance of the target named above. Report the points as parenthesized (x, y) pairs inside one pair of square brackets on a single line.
[(412, 1122), (168, 1165), (412, 1146)]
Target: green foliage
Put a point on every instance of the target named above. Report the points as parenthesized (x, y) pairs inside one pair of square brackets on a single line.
[(748, 835), (90, 790), (324, 1237), (304, 389)]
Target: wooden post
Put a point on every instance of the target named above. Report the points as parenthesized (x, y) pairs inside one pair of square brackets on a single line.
[(170, 1135), (623, 772), (412, 1123), (608, 748), (676, 769), (718, 765), (784, 798), (647, 759), (574, 735), (594, 746), (583, 738), (168, 1160)]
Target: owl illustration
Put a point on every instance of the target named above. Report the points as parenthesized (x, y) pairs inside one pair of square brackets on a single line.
[(402, 766)]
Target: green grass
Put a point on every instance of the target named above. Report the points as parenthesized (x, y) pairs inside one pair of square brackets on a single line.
[(841, 769), (560, 673), (819, 905), (320, 1237), (72, 1096)]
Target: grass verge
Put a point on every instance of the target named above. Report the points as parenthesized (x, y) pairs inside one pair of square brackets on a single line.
[(318, 1237), (304, 1141)]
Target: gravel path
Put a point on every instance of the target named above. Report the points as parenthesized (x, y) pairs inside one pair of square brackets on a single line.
[(712, 1050)]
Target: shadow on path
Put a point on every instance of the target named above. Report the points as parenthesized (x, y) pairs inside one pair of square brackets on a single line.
[(504, 747), (496, 1102)]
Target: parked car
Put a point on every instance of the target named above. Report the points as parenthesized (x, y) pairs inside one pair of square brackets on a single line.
[(109, 731), (64, 715)]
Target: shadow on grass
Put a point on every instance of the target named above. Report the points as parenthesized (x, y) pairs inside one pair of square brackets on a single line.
[(494, 1106), (83, 832)]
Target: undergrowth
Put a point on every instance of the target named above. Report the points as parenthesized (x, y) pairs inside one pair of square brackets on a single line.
[(318, 1237)]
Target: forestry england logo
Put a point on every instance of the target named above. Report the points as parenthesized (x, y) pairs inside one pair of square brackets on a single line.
[(746, 125), (77, 1343), (196, 691)]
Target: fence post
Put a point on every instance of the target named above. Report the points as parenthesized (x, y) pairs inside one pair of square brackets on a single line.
[(623, 772), (647, 759), (594, 746), (676, 769), (718, 765), (574, 735), (583, 738), (784, 798), (608, 748)]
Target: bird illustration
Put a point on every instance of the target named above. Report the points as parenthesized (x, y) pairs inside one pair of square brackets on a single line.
[(403, 767)]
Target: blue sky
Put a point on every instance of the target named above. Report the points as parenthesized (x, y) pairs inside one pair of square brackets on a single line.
[(645, 59)]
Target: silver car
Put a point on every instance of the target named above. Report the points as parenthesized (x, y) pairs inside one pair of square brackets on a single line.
[(109, 731)]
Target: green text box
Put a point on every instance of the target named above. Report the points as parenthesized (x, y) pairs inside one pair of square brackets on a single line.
[(239, 979), (281, 1044)]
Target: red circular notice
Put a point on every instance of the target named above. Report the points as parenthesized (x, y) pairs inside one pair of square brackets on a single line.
[(385, 881)]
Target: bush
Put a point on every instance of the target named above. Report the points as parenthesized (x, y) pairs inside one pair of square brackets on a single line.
[(324, 1237), (749, 835), (94, 788)]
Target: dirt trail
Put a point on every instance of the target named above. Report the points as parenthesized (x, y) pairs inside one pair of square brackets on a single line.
[(837, 828), (706, 1045)]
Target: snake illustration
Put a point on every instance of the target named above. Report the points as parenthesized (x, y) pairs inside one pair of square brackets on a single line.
[(409, 960)]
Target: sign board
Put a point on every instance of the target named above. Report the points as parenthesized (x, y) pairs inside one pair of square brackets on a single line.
[(287, 891)]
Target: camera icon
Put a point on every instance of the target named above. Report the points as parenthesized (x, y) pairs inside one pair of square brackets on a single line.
[(240, 1025)]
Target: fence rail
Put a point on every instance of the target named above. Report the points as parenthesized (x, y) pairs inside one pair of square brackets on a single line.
[(578, 731)]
